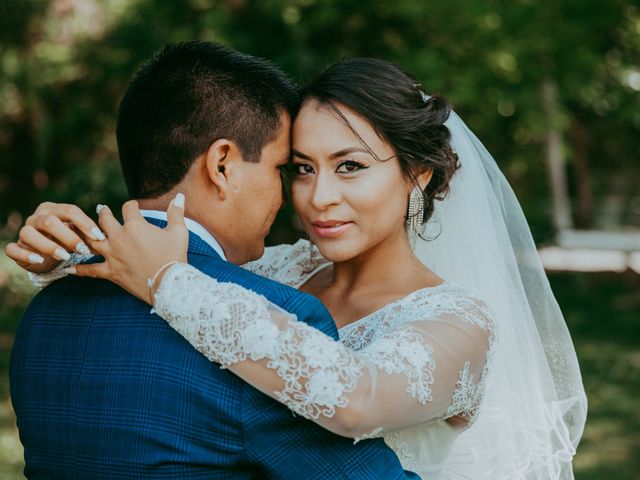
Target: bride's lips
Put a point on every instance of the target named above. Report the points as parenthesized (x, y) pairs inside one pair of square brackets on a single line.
[(330, 228)]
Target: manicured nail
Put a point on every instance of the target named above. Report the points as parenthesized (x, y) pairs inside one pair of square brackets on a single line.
[(179, 200), (97, 234), (70, 270), (35, 258), (60, 254), (82, 249), (99, 208)]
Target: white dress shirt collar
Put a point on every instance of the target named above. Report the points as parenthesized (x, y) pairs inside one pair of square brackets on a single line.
[(193, 226)]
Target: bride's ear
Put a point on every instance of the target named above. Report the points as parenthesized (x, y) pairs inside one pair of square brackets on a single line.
[(220, 163), (424, 178)]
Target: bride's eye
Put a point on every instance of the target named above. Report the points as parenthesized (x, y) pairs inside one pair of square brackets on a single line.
[(350, 166), (302, 169)]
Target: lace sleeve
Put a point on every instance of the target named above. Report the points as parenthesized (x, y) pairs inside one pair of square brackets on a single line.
[(41, 280), (286, 263), (423, 370), (271, 261)]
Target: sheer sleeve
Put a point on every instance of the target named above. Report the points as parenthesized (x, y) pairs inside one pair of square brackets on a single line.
[(41, 280), (272, 261), (423, 370), (288, 264)]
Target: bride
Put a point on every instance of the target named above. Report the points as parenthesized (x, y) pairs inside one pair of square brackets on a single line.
[(452, 346)]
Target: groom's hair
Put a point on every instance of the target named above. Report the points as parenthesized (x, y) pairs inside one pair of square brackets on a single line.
[(186, 97)]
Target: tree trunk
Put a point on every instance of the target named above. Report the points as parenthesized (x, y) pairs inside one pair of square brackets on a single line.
[(555, 158), (584, 189)]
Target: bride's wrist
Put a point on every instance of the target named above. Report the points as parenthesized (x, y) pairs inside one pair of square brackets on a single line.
[(153, 282)]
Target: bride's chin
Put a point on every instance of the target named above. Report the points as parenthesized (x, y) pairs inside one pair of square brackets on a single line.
[(336, 251)]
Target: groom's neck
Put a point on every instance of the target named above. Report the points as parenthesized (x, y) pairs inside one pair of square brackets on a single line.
[(160, 203), (215, 228)]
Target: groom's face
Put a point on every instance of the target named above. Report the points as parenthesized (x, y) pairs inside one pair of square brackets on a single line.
[(258, 199)]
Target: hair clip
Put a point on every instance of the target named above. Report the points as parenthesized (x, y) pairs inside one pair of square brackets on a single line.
[(420, 89)]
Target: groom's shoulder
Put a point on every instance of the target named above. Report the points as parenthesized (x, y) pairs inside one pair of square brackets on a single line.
[(80, 296)]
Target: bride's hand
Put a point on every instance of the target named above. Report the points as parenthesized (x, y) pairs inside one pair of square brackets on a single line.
[(49, 235), (137, 250)]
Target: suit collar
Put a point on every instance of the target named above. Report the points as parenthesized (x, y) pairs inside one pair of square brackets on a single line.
[(193, 227), (196, 244)]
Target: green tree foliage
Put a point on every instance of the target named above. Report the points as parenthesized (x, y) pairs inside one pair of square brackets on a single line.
[(65, 63)]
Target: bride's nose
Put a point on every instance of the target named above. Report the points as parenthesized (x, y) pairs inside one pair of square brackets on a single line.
[(326, 191)]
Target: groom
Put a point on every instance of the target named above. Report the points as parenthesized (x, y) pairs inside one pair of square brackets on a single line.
[(102, 388)]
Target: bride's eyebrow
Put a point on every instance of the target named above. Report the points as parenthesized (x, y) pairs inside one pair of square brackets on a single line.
[(338, 154), (296, 153), (347, 151)]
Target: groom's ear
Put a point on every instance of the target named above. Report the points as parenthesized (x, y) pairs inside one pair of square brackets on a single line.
[(220, 163)]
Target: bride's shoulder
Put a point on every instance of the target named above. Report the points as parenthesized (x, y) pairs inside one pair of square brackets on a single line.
[(454, 301), (287, 263)]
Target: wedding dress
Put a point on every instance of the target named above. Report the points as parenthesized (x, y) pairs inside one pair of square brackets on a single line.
[(398, 372), (510, 371)]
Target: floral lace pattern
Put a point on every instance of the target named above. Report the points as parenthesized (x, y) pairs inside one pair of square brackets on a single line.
[(425, 303), (416, 361), (368, 332), (288, 264), (43, 279), (468, 395), (404, 351), (316, 375), (229, 324), (382, 338), (398, 444)]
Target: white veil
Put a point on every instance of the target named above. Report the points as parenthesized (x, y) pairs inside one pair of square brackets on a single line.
[(535, 406)]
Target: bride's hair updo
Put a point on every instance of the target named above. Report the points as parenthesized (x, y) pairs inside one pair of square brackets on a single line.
[(392, 100)]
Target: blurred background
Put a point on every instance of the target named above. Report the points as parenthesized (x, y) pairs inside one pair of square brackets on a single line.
[(551, 87)]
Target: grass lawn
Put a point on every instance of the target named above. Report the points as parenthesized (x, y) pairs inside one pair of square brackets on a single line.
[(603, 313)]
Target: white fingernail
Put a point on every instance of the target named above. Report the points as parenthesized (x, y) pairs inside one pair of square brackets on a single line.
[(35, 258), (82, 249), (60, 254), (99, 208), (70, 270), (97, 234), (179, 200)]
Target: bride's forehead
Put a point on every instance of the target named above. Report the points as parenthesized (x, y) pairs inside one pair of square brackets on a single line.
[(333, 114), (320, 125)]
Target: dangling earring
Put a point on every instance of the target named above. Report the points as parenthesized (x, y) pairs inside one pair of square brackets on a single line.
[(416, 211)]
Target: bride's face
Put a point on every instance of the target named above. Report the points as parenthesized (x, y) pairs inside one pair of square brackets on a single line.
[(348, 201)]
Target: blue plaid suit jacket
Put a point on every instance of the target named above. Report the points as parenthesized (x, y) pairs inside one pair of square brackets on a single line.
[(104, 389)]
